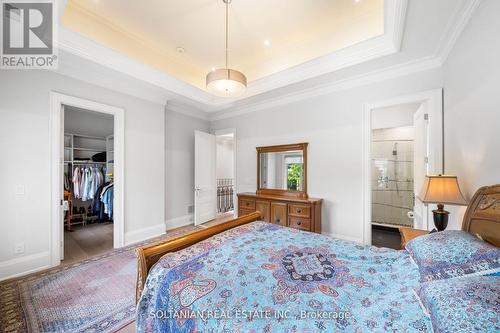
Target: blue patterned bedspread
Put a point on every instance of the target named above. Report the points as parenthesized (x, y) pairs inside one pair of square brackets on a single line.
[(262, 277)]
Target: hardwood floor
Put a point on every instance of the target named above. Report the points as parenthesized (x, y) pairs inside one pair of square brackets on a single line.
[(221, 218), (87, 241)]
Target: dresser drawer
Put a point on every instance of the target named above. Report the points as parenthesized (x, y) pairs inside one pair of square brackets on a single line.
[(242, 212), (278, 213), (264, 207), (299, 223), (299, 210), (246, 204)]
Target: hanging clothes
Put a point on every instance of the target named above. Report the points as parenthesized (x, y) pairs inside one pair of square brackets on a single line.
[(87, 178), (77, 179), (96, 179), (66, 182), (107, 195), (82, 182), (97, 204)]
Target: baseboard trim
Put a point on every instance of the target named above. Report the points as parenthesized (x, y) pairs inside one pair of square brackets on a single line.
[(178, 222), (24, 265), (344, 237), (143, 234)]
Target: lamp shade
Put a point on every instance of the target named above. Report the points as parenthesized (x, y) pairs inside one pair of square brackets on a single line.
[(443, 190), (226, 82)]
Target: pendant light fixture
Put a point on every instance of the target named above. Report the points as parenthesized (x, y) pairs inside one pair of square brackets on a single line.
[(226, 82)]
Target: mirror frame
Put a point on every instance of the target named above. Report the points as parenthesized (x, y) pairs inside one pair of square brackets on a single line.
[(281, 148)]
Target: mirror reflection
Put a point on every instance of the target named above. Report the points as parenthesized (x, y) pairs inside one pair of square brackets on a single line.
[(282, 170)]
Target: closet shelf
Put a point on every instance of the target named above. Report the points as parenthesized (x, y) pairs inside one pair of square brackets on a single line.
[(387, 160), (84, 162), (90, 149), (86, 136)]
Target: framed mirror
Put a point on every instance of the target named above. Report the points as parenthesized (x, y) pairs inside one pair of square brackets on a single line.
[(282, 170)]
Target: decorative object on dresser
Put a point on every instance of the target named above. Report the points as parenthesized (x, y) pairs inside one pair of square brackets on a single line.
[(441, 189), (281, 195)]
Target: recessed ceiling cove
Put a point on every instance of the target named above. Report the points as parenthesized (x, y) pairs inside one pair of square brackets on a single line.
[(186, 39)]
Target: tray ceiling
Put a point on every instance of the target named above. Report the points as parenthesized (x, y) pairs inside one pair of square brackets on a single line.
[(266, 37)]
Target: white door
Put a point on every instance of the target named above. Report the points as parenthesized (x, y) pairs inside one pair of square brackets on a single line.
[(205, 189), (64, 204), (421, 164)]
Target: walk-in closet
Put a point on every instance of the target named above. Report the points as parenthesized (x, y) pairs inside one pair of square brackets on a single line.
[(88, 183)]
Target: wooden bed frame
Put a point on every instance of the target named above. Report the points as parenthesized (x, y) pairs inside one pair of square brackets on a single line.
[(482, 218), (148, 255)]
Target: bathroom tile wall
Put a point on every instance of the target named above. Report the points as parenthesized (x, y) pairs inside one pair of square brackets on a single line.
[(392, 176)]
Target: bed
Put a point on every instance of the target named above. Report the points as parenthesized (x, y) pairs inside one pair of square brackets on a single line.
[(251, 276)]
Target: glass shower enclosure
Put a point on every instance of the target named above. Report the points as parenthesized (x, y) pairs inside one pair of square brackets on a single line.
[(392, 187)]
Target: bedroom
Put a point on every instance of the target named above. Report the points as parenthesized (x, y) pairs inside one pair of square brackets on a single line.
[(446, 52)]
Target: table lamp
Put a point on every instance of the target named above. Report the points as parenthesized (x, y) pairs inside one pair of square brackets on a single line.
[(441, 189)]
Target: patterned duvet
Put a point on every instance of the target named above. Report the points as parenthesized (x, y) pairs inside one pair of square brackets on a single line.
[(262, 277)]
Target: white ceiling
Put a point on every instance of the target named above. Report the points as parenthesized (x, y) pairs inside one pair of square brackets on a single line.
[(85, 122), (297, 31), (426, 34)]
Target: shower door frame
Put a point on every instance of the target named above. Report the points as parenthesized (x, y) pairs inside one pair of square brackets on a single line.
[(434, 100)]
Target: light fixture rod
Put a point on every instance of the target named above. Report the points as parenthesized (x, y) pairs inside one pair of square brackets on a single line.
[(226, 82), (227, 33)]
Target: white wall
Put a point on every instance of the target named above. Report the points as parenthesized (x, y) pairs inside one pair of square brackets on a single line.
[(179, 143), (24, 154), (332, 124), (225, 157), (472, 105), (394, 116)]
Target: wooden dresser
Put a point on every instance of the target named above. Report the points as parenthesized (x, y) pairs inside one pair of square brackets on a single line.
[(298, 213)]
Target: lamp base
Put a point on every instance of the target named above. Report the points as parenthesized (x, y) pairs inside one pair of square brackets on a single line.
[(440, 217)]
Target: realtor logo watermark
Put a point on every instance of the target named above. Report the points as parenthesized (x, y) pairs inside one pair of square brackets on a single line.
[(28, 35)]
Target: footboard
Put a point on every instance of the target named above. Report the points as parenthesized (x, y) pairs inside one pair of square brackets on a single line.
[(148, 255)]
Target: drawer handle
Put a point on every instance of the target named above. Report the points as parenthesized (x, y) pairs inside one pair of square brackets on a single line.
[(299, 223), (277, 220), (299, 211), (248, 203)]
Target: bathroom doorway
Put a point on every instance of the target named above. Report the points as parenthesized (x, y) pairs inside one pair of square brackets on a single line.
[(403, 143)]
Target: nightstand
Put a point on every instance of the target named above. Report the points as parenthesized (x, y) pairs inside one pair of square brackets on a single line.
[(407, 234)]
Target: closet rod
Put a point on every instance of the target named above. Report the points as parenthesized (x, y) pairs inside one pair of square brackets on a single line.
[(103, 163)]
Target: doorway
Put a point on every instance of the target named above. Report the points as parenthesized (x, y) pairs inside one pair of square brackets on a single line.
[(403, 143), (225, 161), (394, 167), (214, 175), (88, 183), (88, 137)]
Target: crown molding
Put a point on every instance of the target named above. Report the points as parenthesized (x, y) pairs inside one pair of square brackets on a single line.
[(83, 47), (175, 106), (396, 23), (388, 43), (420, 65), (211, 109), (453, 32), (371, 49), (456, 28)]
